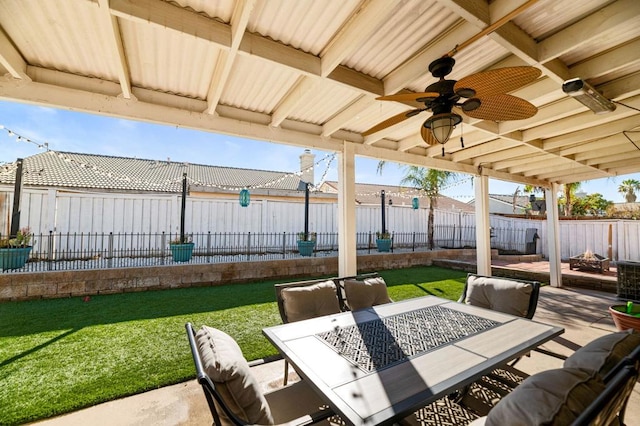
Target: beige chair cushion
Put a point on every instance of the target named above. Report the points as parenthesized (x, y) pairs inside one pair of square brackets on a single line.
[(552, 397), (228, 369), (603, 353), (294, 401), (367, 293), (498, 294), (310, 301)]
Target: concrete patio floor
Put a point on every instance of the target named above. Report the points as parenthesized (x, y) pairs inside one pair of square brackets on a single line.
[(583, 314)]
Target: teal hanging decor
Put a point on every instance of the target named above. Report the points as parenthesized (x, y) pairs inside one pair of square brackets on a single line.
[(244, 197), (415, 203)]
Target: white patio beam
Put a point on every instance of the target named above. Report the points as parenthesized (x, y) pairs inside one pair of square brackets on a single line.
[(347, 249), (483, 233), (508, 35), (165, 15), (11, 59), (516, 161), (600, 131), (595, 26), (350, 38), (553, 236), (116, 48), (239, 20), (347, 115), (485, 148), (366, 21), (625, 56), (518, 151)]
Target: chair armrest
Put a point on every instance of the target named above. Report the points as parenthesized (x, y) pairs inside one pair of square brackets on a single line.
[(553, 354), (265, 360), (310, 419)]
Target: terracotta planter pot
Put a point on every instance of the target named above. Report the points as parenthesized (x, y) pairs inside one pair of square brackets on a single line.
[(624, 321)]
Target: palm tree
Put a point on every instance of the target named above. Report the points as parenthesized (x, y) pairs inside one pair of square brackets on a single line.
[(570, 190), (514, 201), (430, 181), (628, 188)]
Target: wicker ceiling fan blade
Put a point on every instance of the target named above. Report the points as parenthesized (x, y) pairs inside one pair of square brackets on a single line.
[(408, 97), (498, 81), (427, 136), (503, 108), (398, 118)]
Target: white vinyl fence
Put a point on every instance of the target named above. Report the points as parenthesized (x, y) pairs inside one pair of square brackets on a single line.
[(102, 213)]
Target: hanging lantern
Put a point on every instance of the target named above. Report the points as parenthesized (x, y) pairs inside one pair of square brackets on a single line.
[(415, 203), (244, 197)]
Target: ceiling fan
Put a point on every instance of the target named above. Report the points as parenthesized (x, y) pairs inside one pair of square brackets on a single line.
[(485, 95)]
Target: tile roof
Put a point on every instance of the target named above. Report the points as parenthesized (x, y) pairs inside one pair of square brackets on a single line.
[(102, 172), (522, 201)]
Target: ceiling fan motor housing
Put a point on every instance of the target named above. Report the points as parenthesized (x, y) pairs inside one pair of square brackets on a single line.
[(442, 66)]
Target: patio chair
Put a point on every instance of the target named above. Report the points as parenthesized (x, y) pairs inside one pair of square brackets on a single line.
[(363, 291), (233, 393), (567, 396), (564, 396), (302, 300), (511, 296), (476, 402)]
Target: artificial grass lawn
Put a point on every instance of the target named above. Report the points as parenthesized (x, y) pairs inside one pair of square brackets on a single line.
[(61, 355)]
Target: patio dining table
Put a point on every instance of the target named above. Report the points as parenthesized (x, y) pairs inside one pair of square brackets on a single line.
[(378, 365)]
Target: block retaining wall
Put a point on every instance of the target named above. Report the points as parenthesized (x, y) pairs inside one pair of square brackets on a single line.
[(57, 284), (592, 283)]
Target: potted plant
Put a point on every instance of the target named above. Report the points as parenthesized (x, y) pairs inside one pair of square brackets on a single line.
[(181, 248), (306, 243), (383, 241), (14, 252)]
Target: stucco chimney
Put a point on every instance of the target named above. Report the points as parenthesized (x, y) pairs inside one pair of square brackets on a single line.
[(307, 160)]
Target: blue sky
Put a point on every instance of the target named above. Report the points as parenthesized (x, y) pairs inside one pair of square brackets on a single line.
[(87, 133)]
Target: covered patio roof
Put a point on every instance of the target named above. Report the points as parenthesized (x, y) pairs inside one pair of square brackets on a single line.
[(307, 73)]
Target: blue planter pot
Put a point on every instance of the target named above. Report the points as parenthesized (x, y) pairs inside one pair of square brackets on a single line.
[(14, 257), (182, 252), (306, 247), (383, 244)]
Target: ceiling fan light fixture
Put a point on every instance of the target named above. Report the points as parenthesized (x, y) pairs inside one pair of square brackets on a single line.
[(465, 92), (442, 125), (471, 104)]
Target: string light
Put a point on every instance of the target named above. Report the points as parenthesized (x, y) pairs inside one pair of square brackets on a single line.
[(410, 193), (328, 157), (131, 180), (21, 138), (324, 175)]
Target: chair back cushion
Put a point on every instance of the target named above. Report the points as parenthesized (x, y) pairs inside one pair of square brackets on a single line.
[(367, 293), (503, 295), (310, 301), (552, 397), (603, 353), (224, 363)]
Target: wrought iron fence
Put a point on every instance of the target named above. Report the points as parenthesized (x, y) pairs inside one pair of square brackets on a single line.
[(57, 251)]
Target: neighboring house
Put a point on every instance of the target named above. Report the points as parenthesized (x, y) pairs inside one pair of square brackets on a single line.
[(625, 210), (506, 204), (74, 192), (84, 193)]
